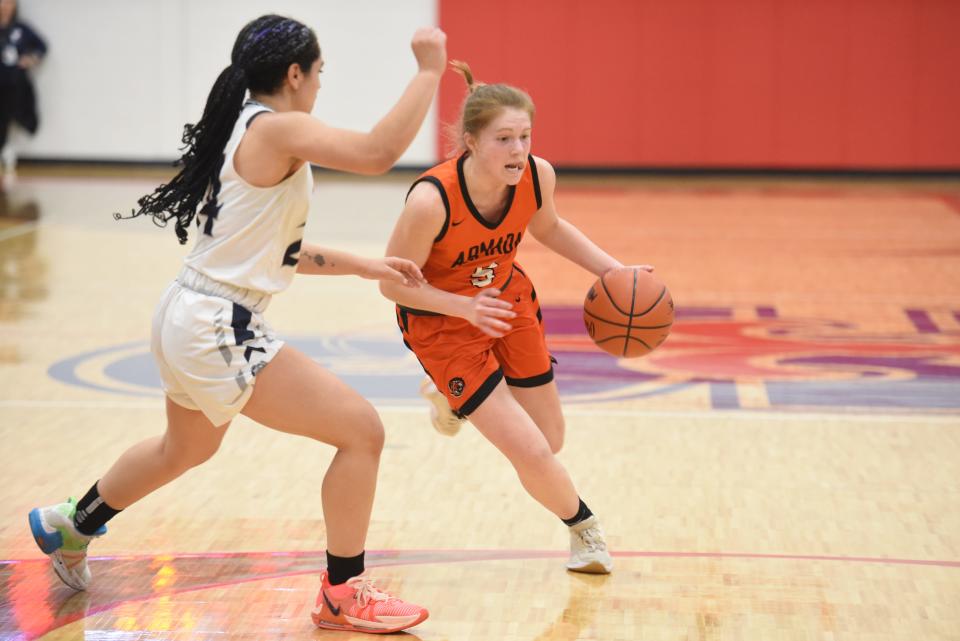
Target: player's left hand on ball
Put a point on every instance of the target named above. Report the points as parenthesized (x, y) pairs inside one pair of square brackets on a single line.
[(398, 270)]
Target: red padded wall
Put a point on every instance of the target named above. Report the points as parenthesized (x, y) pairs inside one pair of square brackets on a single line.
[(821, 84)]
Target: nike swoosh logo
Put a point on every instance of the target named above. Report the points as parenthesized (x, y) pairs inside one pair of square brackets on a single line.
[(455, 223), (335, 611)]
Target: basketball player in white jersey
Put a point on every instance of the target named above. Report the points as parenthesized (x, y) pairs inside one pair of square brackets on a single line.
[(246, 182)]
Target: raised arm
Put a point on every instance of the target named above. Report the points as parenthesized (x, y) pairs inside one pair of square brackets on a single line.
[(300, 135)]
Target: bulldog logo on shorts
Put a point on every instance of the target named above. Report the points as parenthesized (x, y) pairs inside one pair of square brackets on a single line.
[(456, 386)]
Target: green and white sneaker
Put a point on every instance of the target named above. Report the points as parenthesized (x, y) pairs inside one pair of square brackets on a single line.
[(58, 538), (588, 548)]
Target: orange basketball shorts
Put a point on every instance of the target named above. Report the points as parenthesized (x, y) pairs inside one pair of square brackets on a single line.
[(466, 364)]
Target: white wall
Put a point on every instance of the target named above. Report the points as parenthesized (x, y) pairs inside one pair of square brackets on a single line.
[(123, 76)]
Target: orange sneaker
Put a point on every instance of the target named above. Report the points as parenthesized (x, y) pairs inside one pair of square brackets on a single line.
[(358, 606)]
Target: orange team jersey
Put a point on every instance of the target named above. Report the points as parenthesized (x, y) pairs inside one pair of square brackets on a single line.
[(471, 252)]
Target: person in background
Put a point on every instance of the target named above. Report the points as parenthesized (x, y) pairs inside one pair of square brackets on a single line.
[(21, 49)]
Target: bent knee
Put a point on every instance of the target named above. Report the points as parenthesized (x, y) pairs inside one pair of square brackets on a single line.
[(180, 459), (536, 460), (555, 441), (366, 431), (554, 434)]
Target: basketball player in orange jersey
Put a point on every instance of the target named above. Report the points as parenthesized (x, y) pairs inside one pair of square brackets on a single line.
[(245, 188), (476, 327)]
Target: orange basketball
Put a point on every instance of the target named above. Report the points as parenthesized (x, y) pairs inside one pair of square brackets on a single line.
[(628, 312)]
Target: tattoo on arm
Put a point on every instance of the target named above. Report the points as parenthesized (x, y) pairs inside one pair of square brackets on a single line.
[(317, 259)]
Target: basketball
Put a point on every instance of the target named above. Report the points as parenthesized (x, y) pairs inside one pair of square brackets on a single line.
[(628, 312)]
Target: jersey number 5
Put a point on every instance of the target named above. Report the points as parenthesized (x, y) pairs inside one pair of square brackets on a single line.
[(483, 276)]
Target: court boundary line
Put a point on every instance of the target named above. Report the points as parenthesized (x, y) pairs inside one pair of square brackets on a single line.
[(889, 415), (389, 557)]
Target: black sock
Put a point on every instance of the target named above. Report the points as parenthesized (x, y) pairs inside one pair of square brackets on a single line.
[(342, 568), (92, 512), (583, 513)]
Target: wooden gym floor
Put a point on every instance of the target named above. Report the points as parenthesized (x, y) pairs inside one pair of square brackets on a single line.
[(785, 467)]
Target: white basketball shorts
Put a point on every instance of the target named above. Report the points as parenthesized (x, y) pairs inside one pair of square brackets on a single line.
[(210, 340)]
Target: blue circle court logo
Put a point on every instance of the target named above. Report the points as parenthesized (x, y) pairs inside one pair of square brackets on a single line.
[(720, 358), (380, 368)]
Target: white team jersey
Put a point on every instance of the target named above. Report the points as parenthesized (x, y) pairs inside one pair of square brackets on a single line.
[(250, 237)]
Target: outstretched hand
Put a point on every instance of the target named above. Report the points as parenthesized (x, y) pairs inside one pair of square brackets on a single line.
[(397, 270), (487, 311)]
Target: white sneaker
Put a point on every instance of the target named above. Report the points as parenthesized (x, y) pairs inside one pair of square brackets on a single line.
[(55, 534), (588, 549), (441, 416)]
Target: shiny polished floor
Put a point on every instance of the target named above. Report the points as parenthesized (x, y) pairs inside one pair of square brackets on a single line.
[(784, 467)]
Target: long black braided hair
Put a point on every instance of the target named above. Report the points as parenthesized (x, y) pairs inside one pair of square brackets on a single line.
[(264, 50)]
